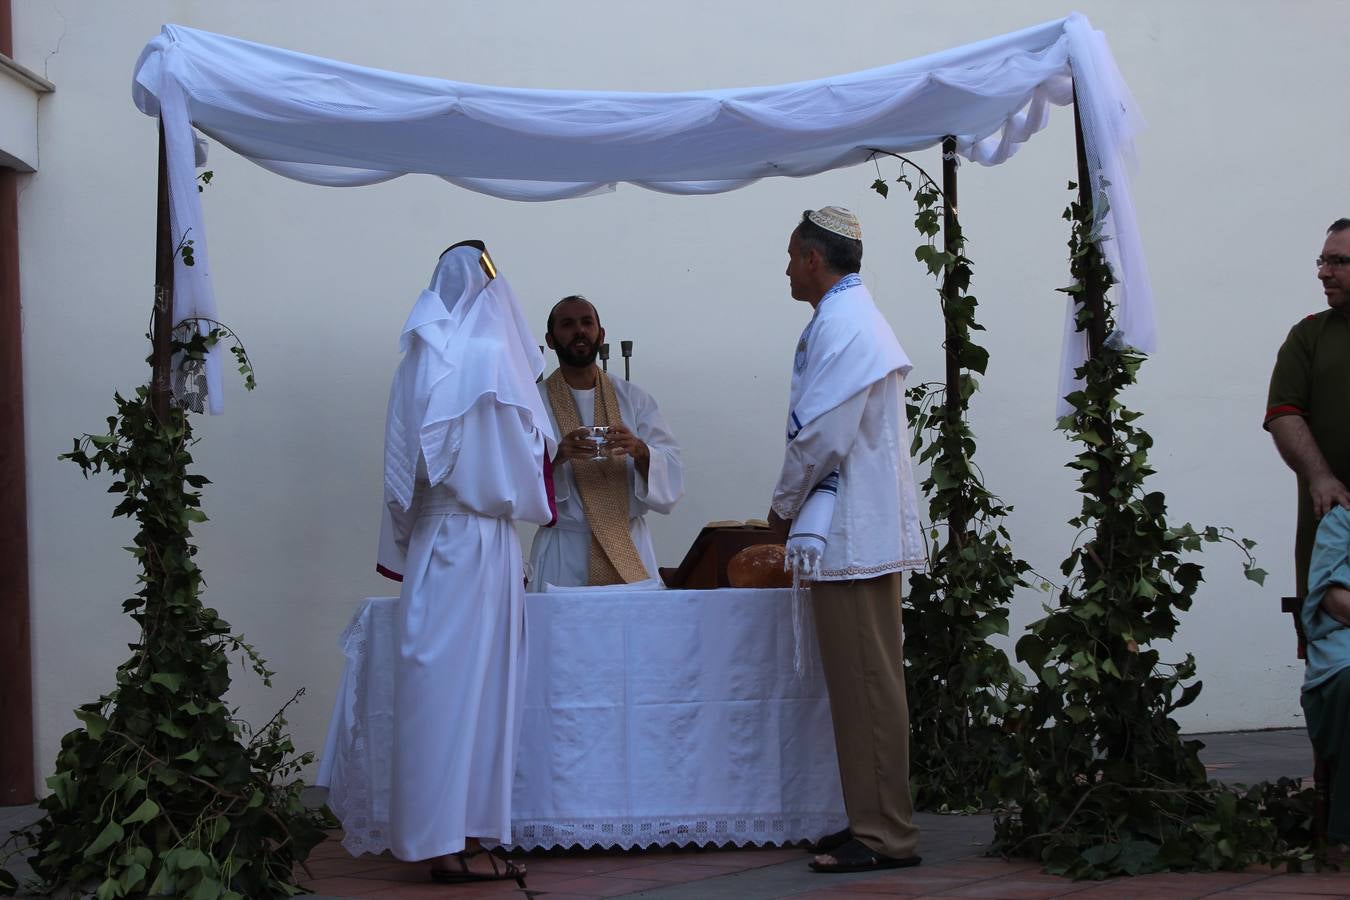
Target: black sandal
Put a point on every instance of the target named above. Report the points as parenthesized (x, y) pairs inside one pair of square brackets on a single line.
[(855, 856), (831, 841), (465, 874)]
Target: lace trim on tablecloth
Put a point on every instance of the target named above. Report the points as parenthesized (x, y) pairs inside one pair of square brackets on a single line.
[(637, 832), (363, 830)]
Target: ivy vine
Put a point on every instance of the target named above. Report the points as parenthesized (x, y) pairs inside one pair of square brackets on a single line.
[(164, 789), (960, 686), (1103, 783)]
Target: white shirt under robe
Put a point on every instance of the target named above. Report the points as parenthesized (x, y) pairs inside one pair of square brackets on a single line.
[(560, 555)]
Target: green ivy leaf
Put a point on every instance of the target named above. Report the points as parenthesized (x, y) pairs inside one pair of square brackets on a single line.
[(143, 813), (170, 680), (111, 834)]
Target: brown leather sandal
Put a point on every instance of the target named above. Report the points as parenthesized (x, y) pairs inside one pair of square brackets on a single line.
[(464, 874)]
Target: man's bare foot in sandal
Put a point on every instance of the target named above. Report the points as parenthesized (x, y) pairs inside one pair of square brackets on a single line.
[(475, 863)]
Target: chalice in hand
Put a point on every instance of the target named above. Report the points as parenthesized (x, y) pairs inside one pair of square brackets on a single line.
[(598, 437)]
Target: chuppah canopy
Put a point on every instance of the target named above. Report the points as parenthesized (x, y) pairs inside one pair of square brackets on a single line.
[(333, 123)]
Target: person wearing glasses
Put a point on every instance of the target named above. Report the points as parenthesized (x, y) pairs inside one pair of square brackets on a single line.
[(1308, 407), (1308, 414)]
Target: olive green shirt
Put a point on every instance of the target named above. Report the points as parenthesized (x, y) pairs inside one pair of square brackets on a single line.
[(1312, 379)]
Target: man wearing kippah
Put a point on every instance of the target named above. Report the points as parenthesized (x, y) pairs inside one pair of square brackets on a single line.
[(847, 434)]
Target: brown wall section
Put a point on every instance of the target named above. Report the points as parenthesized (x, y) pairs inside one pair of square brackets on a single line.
[(16, 670), (16, 667)]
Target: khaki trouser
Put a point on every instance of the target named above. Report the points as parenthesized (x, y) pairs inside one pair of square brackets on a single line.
[(858, 624)]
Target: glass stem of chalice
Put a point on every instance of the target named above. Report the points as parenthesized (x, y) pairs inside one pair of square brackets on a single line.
[(599, 437)]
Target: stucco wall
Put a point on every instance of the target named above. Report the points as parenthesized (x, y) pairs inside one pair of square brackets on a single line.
[(1242, 170)]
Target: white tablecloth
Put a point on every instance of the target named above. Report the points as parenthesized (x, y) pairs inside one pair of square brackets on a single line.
[(652, 717)]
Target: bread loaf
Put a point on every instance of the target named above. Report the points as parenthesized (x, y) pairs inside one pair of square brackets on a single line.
[(759, 566)]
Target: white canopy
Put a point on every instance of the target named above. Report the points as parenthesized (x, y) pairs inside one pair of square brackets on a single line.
[(333, 123)]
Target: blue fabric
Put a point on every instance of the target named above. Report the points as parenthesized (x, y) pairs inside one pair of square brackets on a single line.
[(1328, 640)]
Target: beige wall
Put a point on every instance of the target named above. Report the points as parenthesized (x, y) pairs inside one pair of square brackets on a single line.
[(1243, 166)]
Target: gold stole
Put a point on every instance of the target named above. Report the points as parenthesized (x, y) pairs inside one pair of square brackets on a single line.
[(603, 485)]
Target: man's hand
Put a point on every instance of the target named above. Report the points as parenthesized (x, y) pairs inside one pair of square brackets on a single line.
[(575, 445), (1336, 603), (778, 526), (1327, 492), (622, 442), (1294, 440)]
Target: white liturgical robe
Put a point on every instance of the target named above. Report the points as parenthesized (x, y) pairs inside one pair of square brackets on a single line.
[(465, 445), (847, 416), (560, 555)]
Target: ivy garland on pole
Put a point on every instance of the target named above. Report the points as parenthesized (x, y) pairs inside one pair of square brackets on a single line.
[(163, 790), (1103, 783), (960, 686)]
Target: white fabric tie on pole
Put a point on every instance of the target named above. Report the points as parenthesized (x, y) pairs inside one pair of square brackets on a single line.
[(333, 123)]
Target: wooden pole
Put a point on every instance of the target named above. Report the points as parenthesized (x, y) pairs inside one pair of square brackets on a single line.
[(1093, 297), (956, 521), (161, 338)]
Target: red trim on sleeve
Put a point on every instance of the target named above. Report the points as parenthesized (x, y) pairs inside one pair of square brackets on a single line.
[(548, 489), (387, 573), (1284, 409)]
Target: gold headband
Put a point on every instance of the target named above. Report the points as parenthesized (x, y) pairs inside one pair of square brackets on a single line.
[(484, 259)]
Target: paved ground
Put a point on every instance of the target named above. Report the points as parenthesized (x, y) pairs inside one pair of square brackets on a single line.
[(952, 847)]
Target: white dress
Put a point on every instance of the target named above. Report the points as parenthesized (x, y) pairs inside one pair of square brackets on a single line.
[(560, 555), (465, 444), (460, 678)]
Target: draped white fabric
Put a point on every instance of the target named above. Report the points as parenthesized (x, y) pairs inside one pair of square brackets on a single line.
[(466, 339), (650, 718), (332, 123)]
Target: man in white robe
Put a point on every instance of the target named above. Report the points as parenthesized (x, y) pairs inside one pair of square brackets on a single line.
[(467, 445), (644, 473), (847, 433)]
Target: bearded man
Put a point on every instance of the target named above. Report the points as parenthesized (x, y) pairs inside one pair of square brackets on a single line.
[(601, 536)]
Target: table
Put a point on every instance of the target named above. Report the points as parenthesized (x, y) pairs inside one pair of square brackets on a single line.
[(651, 718)]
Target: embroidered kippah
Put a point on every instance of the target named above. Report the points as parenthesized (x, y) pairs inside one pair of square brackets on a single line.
[(838, 220)]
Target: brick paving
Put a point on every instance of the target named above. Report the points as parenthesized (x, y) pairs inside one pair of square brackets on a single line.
[(952, 846)]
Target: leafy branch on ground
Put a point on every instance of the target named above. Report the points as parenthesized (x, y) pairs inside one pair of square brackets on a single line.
[(1103, 783), (960, 686)]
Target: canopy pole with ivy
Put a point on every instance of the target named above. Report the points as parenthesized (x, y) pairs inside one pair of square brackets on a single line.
[(951, 245), (163, 789), (1103, 782), (161, 355)]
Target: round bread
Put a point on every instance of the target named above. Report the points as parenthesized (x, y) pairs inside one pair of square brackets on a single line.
[(759, 566)]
